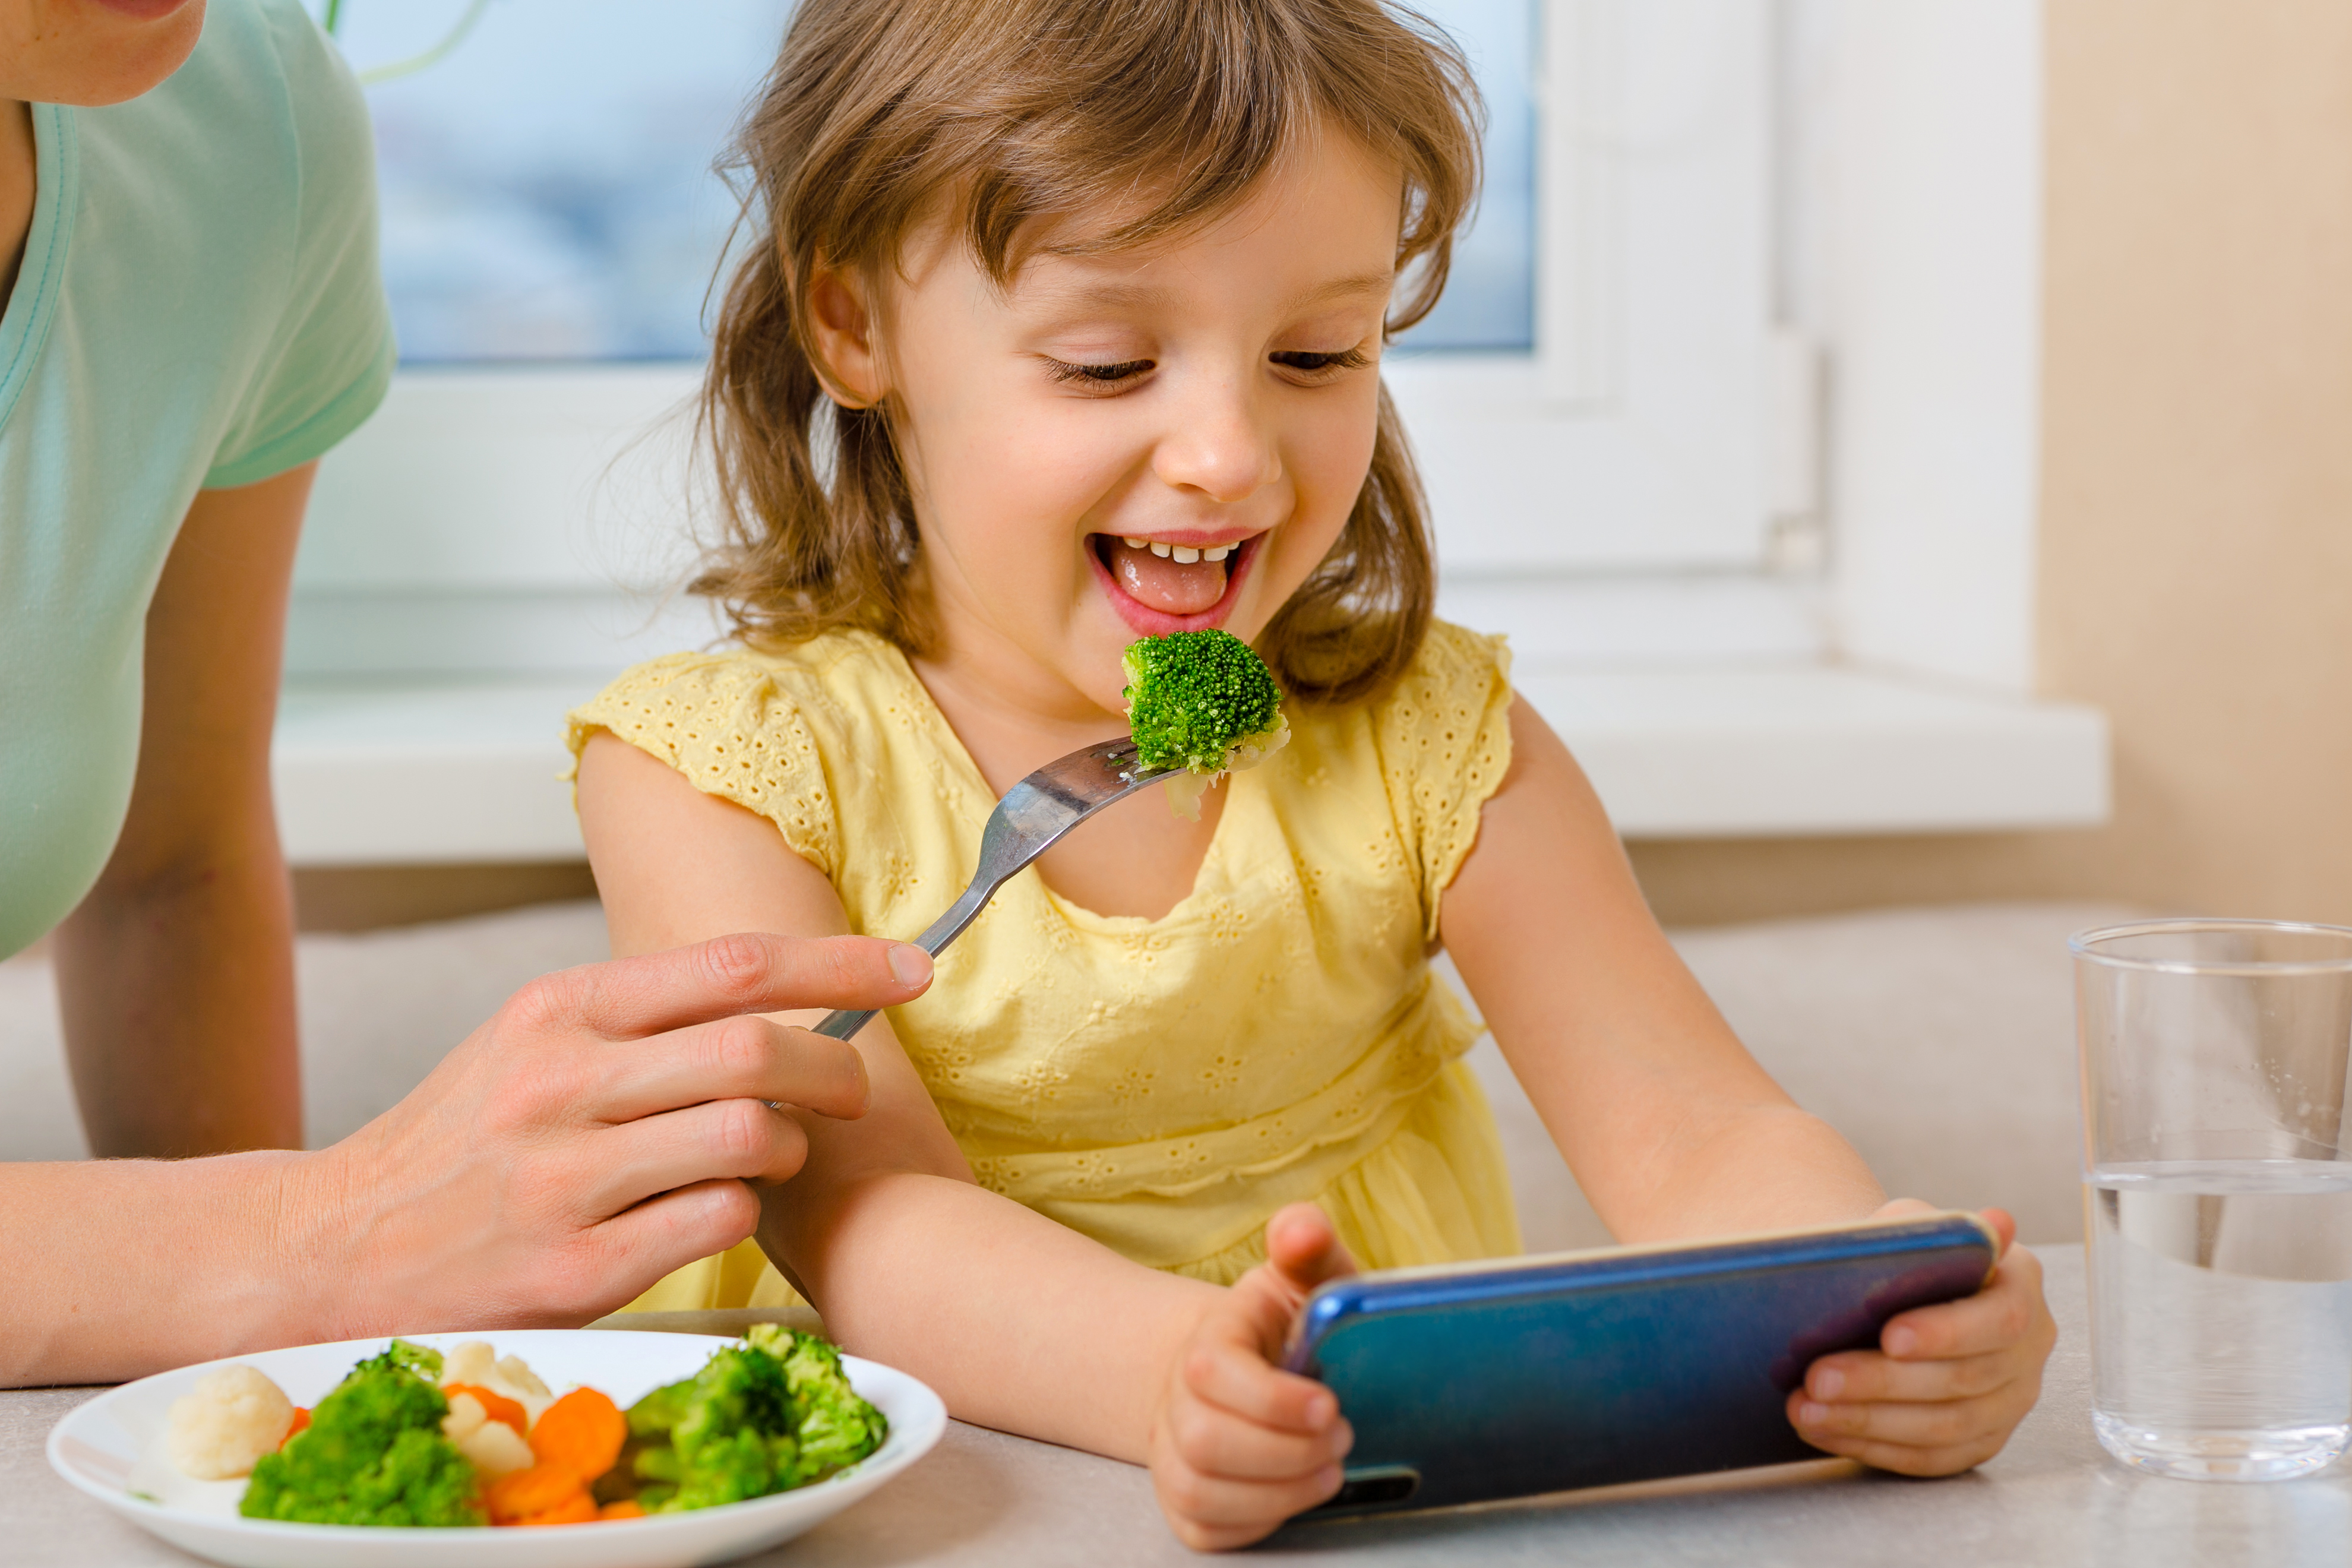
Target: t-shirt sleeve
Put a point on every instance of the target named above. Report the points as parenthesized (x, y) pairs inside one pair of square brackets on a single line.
[(328, 364), (728, 724), (1445, 744)]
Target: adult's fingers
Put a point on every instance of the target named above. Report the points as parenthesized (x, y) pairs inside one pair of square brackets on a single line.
[(625, 1255), (738, 1139), (749, 1057), (748, 972)]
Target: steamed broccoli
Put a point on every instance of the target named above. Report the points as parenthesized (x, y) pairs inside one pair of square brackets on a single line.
[(1204, 702), (835, 1427), (373, 1454), (765, 1416)]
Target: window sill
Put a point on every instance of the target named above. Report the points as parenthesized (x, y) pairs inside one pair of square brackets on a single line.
[(381, 773)]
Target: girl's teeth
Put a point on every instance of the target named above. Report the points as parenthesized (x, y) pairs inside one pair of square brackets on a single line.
[(1216, 553), (1138, 543), (1186, 556), (1160, 549)]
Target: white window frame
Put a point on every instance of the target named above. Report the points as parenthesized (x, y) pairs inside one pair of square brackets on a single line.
[(1876, 675)]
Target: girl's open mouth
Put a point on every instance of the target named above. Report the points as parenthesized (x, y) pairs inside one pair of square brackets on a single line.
[(1159, 585)]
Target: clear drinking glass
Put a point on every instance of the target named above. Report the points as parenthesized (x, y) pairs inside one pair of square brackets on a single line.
[(2218, 1193)]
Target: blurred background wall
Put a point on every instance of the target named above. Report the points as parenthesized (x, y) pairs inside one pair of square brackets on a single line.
[(2195, 536)]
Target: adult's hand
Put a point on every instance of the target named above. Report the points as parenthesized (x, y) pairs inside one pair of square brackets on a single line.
[(595, 1134)]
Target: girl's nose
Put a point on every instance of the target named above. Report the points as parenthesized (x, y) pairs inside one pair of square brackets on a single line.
[(1219, 446)]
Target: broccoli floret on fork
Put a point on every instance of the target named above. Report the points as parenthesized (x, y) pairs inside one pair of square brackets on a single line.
[(1201, 701)]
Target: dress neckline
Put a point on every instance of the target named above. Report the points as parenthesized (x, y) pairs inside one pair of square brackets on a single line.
[(967, 775), (32, 303)]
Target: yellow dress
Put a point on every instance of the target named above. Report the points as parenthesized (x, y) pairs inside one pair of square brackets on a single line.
[(1162, 1086)]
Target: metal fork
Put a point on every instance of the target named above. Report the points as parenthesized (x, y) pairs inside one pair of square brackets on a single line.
[(1031, 817)]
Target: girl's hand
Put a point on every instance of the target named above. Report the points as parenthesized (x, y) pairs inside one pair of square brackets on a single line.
[(1238, 1445), (1948, 1384)]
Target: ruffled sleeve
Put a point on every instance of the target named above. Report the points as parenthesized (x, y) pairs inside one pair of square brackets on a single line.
[(728, 724), (1445, 744)]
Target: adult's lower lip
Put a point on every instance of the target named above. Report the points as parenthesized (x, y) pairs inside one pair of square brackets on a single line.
[(145, 10), (1146, 621)]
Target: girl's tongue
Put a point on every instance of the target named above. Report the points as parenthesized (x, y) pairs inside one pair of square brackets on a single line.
[(1165, 584)]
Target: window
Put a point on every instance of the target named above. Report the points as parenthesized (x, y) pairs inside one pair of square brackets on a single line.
[(1589, 399), (547, 185), (1601, 408)]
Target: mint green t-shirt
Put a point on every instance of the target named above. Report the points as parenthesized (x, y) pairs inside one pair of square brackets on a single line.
[(199, 305)]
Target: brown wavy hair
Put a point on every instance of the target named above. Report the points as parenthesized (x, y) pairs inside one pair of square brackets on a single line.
[(1026, 115)]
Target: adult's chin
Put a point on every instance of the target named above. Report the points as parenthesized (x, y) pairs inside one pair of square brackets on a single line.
[(111, 52)]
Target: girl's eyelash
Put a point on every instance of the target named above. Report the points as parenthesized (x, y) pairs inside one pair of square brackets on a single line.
[(1105, 375), (1313, 364), (1099, 374)]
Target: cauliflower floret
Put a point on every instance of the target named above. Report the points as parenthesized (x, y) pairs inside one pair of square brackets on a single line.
[(475, 1362), (233, 1417), (491, 1447)]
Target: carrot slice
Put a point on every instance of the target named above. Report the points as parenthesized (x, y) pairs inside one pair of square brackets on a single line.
[(578, 1509), (582, 1432), (544, 1494), (496, 1406), (622, 1508), (301, 1419)]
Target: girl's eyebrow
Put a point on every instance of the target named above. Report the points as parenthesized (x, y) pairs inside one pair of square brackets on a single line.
[(1151, 296)]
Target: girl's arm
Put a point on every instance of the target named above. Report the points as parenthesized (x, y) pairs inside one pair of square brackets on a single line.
[(1673, 1131), (175, 976), (1019, 1323), (1671, 1127)]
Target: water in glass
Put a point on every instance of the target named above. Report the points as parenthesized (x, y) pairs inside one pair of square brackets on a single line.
[(2221, 1303)]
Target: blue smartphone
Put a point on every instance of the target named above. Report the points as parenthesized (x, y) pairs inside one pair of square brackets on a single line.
[(1466, 1382)]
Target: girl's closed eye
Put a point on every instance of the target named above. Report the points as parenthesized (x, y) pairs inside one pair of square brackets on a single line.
[(1317, 364), (1321, 364), (1118, 373)]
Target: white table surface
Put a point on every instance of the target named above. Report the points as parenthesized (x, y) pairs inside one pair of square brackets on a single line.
[(984, 1499)]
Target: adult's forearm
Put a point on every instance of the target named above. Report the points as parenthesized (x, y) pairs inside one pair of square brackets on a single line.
[(117, 1268), (1019, 1324), (176, 983)]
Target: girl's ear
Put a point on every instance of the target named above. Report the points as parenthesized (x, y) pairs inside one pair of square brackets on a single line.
[(847, 359)]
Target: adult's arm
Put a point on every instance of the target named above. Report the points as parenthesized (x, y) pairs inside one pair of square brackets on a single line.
[(595, 1134), (177, 974)]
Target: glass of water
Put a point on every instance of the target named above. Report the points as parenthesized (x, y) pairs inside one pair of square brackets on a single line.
[(2219, 1193)]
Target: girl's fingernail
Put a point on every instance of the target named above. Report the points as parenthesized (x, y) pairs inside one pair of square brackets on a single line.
[(1343, 1437), (1329, 1478), (1829, 1383), (1901, 1342), (910, 964), (1812, 1415)]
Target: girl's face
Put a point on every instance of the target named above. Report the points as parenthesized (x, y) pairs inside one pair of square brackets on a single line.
[(1136, 443)]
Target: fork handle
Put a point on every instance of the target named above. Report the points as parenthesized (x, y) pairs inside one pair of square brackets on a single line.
[(841, 1023)]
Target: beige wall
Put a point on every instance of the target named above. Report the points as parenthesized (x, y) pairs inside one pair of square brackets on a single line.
[(2196, 485)]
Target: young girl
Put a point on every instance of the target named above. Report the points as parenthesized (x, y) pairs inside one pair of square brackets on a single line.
[(1061, 325)]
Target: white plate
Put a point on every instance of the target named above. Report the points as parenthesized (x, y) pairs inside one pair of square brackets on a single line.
[(99, 1446)]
